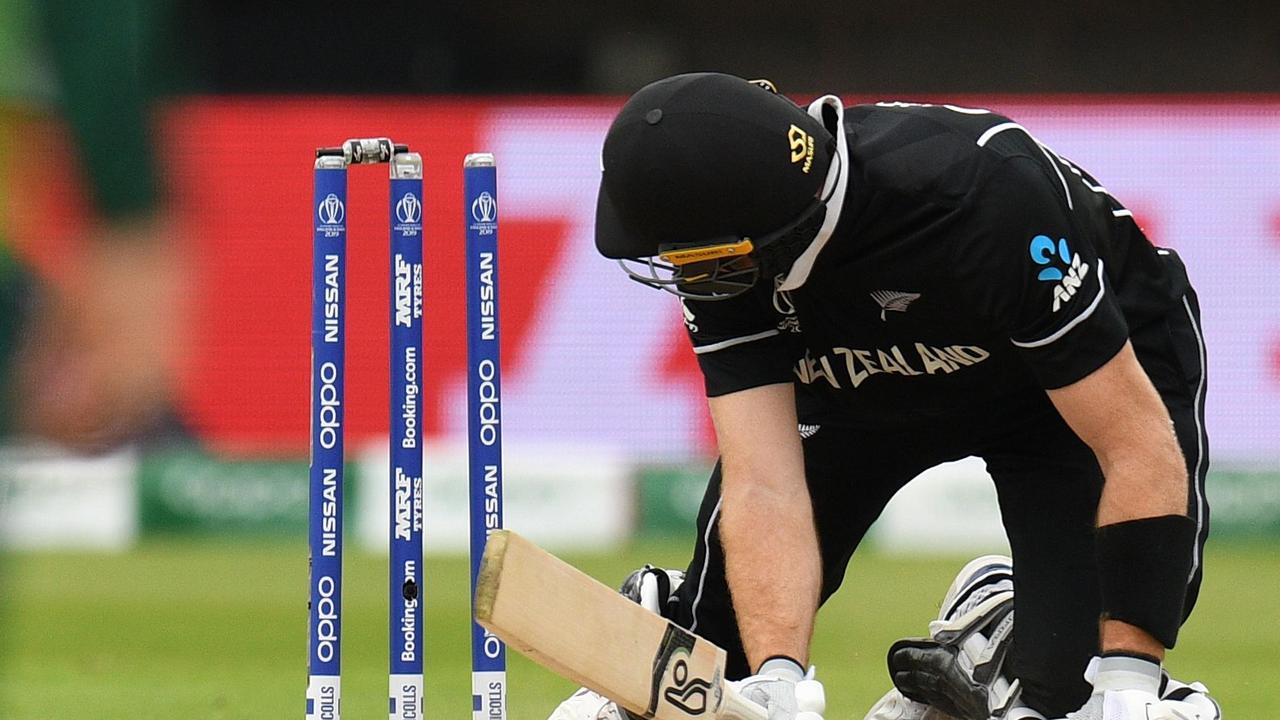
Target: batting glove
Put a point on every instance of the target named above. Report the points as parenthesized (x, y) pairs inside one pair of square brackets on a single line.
[(782, 687)]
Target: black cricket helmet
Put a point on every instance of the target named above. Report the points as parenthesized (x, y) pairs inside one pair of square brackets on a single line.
[(710, 181)]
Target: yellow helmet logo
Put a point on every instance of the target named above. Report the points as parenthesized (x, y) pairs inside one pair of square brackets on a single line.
[(801, 147), (710, 252)]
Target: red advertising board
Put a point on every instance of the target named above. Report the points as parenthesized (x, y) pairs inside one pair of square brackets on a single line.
[(588, 355)]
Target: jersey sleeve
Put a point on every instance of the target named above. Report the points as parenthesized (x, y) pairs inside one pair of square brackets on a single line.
[(1033, 271), (741, 342)]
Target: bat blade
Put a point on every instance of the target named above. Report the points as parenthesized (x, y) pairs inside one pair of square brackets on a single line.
[(573, 625)]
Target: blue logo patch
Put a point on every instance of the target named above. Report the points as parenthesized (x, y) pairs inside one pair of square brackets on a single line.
[(1042, 252)]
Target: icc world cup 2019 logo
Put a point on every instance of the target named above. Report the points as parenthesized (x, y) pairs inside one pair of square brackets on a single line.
[(484, 208), (409, 209), (331, 210)]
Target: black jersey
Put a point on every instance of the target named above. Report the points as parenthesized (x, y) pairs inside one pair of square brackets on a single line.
[(970, 263)]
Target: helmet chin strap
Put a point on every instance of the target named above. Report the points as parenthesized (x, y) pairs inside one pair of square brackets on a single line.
[(830, 110), (777, 257)]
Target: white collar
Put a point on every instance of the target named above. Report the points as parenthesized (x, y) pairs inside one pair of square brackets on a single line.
[(837, 176)]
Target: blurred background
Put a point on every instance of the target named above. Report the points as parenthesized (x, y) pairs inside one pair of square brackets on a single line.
[(155, 180)]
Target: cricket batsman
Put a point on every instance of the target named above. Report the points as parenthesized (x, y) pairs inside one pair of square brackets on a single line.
[(871, 291)]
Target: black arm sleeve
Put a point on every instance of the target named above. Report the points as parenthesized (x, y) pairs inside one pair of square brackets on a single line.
[(1034, 272)]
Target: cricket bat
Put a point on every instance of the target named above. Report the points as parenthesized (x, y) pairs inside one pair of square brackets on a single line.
[(571, 624)]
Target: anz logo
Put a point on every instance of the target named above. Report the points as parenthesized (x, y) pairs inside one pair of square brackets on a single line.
[(1060, 265)]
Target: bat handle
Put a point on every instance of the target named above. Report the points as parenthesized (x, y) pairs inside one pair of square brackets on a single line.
[(736, 707)]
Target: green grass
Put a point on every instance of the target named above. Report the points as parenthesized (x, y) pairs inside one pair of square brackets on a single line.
[(217, 630)]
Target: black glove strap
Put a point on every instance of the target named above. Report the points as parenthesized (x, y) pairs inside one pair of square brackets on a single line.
[(1143, 568)]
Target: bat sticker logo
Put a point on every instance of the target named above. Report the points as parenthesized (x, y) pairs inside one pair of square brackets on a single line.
[(688, 694)]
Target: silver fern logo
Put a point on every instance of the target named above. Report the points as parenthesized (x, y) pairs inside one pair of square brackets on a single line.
[(808, 431), (895, 300)]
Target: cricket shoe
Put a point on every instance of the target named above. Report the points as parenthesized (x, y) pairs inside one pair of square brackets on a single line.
[(588, 705), (958, 669), (653, 589), (893, 706)]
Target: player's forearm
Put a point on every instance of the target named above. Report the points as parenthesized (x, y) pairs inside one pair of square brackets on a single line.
[(772, 565), (1147, 479), (766, 522), (1138, 486), (1145, 541)]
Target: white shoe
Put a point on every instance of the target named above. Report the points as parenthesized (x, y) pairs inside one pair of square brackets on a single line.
[(893, 706), (588, 705)]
